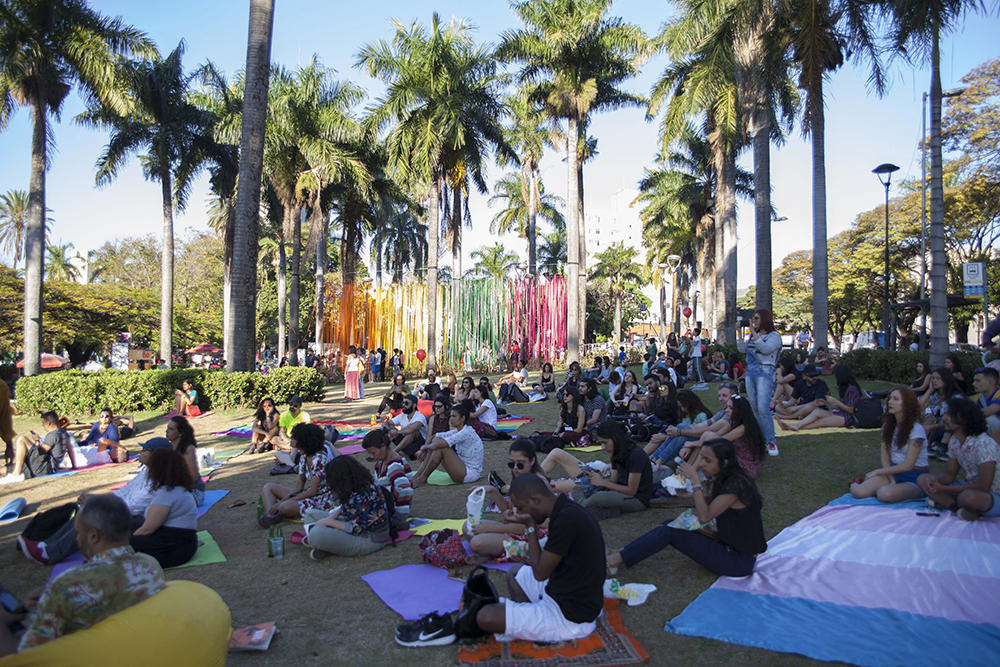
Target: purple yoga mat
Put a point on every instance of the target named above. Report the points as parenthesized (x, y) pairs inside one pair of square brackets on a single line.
[(347, 450), (413, 591)]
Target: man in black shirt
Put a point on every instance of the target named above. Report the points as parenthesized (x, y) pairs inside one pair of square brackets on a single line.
[(806, 396), (37, 457), (559, 595)]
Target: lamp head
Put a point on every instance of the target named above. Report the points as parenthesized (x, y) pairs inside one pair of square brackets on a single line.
[(673, 261), (886, 170)]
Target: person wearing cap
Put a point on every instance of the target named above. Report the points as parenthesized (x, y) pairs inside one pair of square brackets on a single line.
[(137, 494), (809, 394), (408, 429), (295, 415)]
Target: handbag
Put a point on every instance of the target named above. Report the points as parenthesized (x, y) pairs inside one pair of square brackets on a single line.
[(443, 548), (479, 591), (867, 413)]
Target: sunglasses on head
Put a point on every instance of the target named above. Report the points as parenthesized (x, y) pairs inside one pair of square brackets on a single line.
[(729, 385), (520, 465)]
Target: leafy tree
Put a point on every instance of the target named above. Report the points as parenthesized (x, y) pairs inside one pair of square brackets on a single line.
[(601, 308), (13, 215), (493, 261), (58, 266), (552, 252), (400, 241), (618, 268), (515, 194), (47, 46)]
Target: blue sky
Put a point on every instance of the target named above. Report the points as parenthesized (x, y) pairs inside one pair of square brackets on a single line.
[(862, 130)]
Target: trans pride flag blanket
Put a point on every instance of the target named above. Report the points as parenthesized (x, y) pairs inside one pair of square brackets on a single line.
[(867, 584)]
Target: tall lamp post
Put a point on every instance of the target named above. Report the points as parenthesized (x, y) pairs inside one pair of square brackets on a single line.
[(673, 261), (886, 170)]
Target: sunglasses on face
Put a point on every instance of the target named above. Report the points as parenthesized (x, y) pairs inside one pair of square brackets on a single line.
[(520, 465)]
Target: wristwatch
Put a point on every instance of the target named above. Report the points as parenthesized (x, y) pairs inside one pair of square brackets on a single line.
[(696, 487), (529, 530)]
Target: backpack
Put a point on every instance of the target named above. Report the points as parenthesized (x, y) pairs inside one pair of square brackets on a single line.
[(45, 524), (331, 434), (390, 509), (478, 592), (867, 413), (546, 442)]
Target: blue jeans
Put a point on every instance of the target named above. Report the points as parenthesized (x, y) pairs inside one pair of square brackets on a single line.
[(705, 551), (760, 388), (669, 449)]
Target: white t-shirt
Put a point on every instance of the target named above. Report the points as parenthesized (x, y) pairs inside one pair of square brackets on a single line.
[(695, 347), (898, 456), (490, 416), (469, 448), (402, 421), (523, 375)]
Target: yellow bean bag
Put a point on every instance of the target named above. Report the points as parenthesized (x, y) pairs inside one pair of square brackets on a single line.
[(184, 624)]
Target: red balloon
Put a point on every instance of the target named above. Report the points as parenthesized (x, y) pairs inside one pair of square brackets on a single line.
[(687, 312), (421, 355)]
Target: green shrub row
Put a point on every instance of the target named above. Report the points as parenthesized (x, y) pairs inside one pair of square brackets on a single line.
[(899, 366), (80, 393)]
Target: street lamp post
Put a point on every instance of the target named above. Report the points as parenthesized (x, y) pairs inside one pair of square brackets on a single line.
[(886, 170), (673, 261)]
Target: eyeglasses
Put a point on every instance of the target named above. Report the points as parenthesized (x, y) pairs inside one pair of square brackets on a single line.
[(520, 465)]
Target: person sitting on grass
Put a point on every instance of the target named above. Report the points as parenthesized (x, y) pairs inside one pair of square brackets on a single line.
[(38, 457), (181, 437), (741, 429), (734, 505), (464, 390), (169, 532), (922, 382), (286, 422), (736, 368), (265, 427), (429, 389), (459, 451), (973, 450), (185, 398), (393, 399), (440, 418), (489, 536), (988, 398), (934, 404), (547, 378), (391, 472), (835, 413), (113, 579), (572, 417), (903, 452), (103, 436), (594, 406), (624, 392), (311, 490), (407, 430), (360, 525), (483, 415), (558, 595), (628, 487), (663, 447), (808, 394), (954, 364), (786, 376)]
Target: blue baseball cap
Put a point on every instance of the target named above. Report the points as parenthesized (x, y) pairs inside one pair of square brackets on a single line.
[(156, 443)]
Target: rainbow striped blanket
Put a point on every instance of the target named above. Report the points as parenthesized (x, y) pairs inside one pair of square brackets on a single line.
[(357, 430), (867, 584)]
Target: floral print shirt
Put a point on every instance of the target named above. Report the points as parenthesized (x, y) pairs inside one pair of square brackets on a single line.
[(365, 511), (315, 466), (976, 450), (84, 595)]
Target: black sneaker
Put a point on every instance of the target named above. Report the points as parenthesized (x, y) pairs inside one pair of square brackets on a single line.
[(496, 481), (416, 626), (435, 631)]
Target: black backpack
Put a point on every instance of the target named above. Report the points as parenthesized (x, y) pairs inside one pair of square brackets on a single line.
[(45, 524), (390, 509), (867, 413)]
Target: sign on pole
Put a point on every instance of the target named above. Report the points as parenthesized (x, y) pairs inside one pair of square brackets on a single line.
[(974, 279)]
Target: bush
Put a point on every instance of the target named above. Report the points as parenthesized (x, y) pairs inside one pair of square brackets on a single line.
[(899, 366), (79, 393)]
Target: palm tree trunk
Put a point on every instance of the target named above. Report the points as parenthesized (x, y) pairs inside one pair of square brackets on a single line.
[(34, 243), (762, 208), (282, 295), (572, 244), (167, 273), (721, 207), (821, 307), (243, 311), (433, 225), (322, 220), (939, 280), (618, 317), (729, 242), (456, 240), (583, 253), (294, 339), (533, 221)]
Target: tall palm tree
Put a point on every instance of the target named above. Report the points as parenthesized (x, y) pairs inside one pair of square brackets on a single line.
[(617, 265), (552, 252), (58, 265), (522, 200), (13, 215), (493, 261), (175, 139), (442, 110), (47, 46), (916, 28), (399, 241), (573, 59), (821, 33)]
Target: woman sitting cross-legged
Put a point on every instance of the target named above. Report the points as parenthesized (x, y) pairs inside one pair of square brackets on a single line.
[(489, 536), (735, 505), (311, 490), (459, 451), (629, 488), (393, 399), (903, 452), (572, 422), (838, 412), (360, 525), (170, 530), (742, 429), (391, 472), (185, 397), (265, 427)]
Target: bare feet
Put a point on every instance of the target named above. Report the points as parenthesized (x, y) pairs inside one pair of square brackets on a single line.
[(783, 425)]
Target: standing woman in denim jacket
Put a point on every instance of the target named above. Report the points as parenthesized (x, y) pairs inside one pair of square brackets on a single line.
[(763, 347)]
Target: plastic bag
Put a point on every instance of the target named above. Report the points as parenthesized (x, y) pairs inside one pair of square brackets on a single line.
[(519, 548), (474, 507), (676, 482)]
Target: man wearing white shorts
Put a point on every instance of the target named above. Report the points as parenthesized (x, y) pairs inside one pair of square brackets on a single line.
[(558, 596)]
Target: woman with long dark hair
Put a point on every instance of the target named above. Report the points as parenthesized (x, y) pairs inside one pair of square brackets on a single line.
[(903, 452), (360, 525), (921, 383), (547, 379), (393, 398), (440, 415), (465, 389), (839, 411), (690, 408), (572, 422), (741, 429), (624, 392), (934, 403), (734, 505), (954, 364), (763, 347), (169, 532), (264, 427), (181, 436), (784, 382)]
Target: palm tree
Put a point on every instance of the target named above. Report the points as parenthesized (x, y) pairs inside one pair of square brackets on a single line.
[(552, 252), (47, 46), (916, 28), (523, 200), (176, 138), (493, 261), (399, 241), (820, 35), (617, 266), (58, 265), (573, 58), (441, 107), (13, 215)]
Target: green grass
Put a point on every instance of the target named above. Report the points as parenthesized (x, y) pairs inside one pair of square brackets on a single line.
[(327, 615)]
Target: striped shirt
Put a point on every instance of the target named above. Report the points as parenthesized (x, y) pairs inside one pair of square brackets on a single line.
[(395, 474)]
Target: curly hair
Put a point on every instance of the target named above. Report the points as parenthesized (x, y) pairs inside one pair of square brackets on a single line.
[(692, 404), (345, 477), (168, 469), (308, 438), (187, 434), (907, 418), (967, 415), (260, 417)]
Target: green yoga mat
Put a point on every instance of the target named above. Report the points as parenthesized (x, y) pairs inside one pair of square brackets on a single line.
[(226, 454), (207, 553), (440, 478)]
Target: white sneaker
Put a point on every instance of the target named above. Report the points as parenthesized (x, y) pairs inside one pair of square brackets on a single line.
[(772, 449), (10, 479)]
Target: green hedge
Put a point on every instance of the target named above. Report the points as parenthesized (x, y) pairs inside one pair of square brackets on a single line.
[(80, 393), (899, 366)]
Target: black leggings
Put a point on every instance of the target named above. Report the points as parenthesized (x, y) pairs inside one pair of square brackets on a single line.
[(170, 546), (702, 549), (392, 401)]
